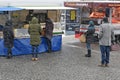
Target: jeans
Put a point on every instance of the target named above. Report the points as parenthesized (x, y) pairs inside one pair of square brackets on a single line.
[(88, 45), (34, 51), (105, 54)]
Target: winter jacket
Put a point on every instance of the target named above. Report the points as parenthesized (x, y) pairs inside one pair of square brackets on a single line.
[(34, 30), (8, 35), (90, 33), (49, 28), (106, 34)]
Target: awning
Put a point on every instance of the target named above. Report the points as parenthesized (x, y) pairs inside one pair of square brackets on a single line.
[(47, 8), (10, 8)]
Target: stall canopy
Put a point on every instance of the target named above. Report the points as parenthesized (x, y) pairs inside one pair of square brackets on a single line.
[(47, 8), (9, 9)]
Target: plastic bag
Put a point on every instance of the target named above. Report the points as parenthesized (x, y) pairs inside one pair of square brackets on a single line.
[(115, 46), (82, 38)]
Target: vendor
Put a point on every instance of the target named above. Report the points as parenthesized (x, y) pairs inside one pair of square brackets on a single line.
[(49, 26)]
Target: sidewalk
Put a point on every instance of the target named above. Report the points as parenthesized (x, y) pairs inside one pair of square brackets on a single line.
[(67, 64)]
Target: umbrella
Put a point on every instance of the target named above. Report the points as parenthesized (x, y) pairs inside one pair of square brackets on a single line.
[(9, 9)]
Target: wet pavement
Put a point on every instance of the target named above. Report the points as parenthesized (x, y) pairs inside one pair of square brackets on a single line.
[(67, 64)]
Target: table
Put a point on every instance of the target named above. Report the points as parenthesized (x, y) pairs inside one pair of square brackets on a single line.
[(22, 46)]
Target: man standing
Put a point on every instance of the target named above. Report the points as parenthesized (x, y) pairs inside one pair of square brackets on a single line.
[(106, 35), (49, 33), (34, 30), (8, 38)]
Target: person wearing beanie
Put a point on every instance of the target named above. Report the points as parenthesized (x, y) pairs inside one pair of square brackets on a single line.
[(106, 35)]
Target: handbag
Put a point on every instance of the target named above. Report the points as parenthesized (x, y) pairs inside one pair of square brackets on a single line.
[(82, 38), (115, 46)]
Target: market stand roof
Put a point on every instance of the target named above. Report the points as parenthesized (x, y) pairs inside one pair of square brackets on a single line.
[(46, 8)]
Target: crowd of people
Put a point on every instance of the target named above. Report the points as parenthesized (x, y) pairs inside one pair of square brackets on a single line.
[(105, 36)]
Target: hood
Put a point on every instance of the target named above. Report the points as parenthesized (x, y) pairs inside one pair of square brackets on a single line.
[(91, 23), (34, 20)]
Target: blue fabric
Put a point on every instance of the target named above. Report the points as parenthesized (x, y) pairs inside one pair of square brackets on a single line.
[(9, 8), (105, 54), (22, 46)]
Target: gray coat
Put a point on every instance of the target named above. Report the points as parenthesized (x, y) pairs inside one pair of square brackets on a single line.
[(106, 34)]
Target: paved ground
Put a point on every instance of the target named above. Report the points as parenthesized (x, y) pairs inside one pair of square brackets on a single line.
[(67, 64)]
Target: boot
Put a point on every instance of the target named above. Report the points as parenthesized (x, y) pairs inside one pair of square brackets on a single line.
[(89, 54), (106, 65), (9, 55)]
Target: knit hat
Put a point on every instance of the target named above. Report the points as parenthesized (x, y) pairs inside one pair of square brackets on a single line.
[(105, 20)]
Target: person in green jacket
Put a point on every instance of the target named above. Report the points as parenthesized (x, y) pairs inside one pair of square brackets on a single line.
[(35, 31)]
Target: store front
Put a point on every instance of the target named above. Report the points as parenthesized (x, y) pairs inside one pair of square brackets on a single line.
[(96, 11)]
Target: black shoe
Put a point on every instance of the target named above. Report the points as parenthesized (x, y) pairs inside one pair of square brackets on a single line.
[(49, 51), (101, 65), (87, 55), (106, 65), (9, 57)]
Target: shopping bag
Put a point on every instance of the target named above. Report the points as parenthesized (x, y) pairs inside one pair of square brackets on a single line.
[(82, 38), (115, 46)]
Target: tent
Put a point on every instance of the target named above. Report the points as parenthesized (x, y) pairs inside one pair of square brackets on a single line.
[(9, 9)]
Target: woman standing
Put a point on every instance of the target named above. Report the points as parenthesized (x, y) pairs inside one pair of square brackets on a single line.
[(34, 30), (90, 37), (49, 33)]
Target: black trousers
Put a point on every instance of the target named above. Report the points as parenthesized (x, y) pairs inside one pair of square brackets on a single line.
[(9, 52), (49, 44), (35, 51)]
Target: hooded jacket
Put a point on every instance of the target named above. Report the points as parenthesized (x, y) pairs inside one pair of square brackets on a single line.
[(90, 32), (8, 34), (34, 30)]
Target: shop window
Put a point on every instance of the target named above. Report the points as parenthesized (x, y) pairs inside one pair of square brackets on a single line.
[(72, 15)]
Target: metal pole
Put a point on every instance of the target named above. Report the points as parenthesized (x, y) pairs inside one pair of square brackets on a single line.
[(9, 15), (110, 20)]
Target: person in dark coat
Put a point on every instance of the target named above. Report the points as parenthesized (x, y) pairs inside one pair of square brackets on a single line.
[(35, 31), (49, 26), (8, 36), (90, 37)]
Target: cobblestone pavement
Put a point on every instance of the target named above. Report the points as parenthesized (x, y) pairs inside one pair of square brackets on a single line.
[(67, 64)]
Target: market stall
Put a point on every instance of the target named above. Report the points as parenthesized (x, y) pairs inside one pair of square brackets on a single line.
[(21, 23), (22, 45)]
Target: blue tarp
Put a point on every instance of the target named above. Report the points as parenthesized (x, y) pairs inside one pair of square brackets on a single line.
[(9, 8), (22, 46)]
